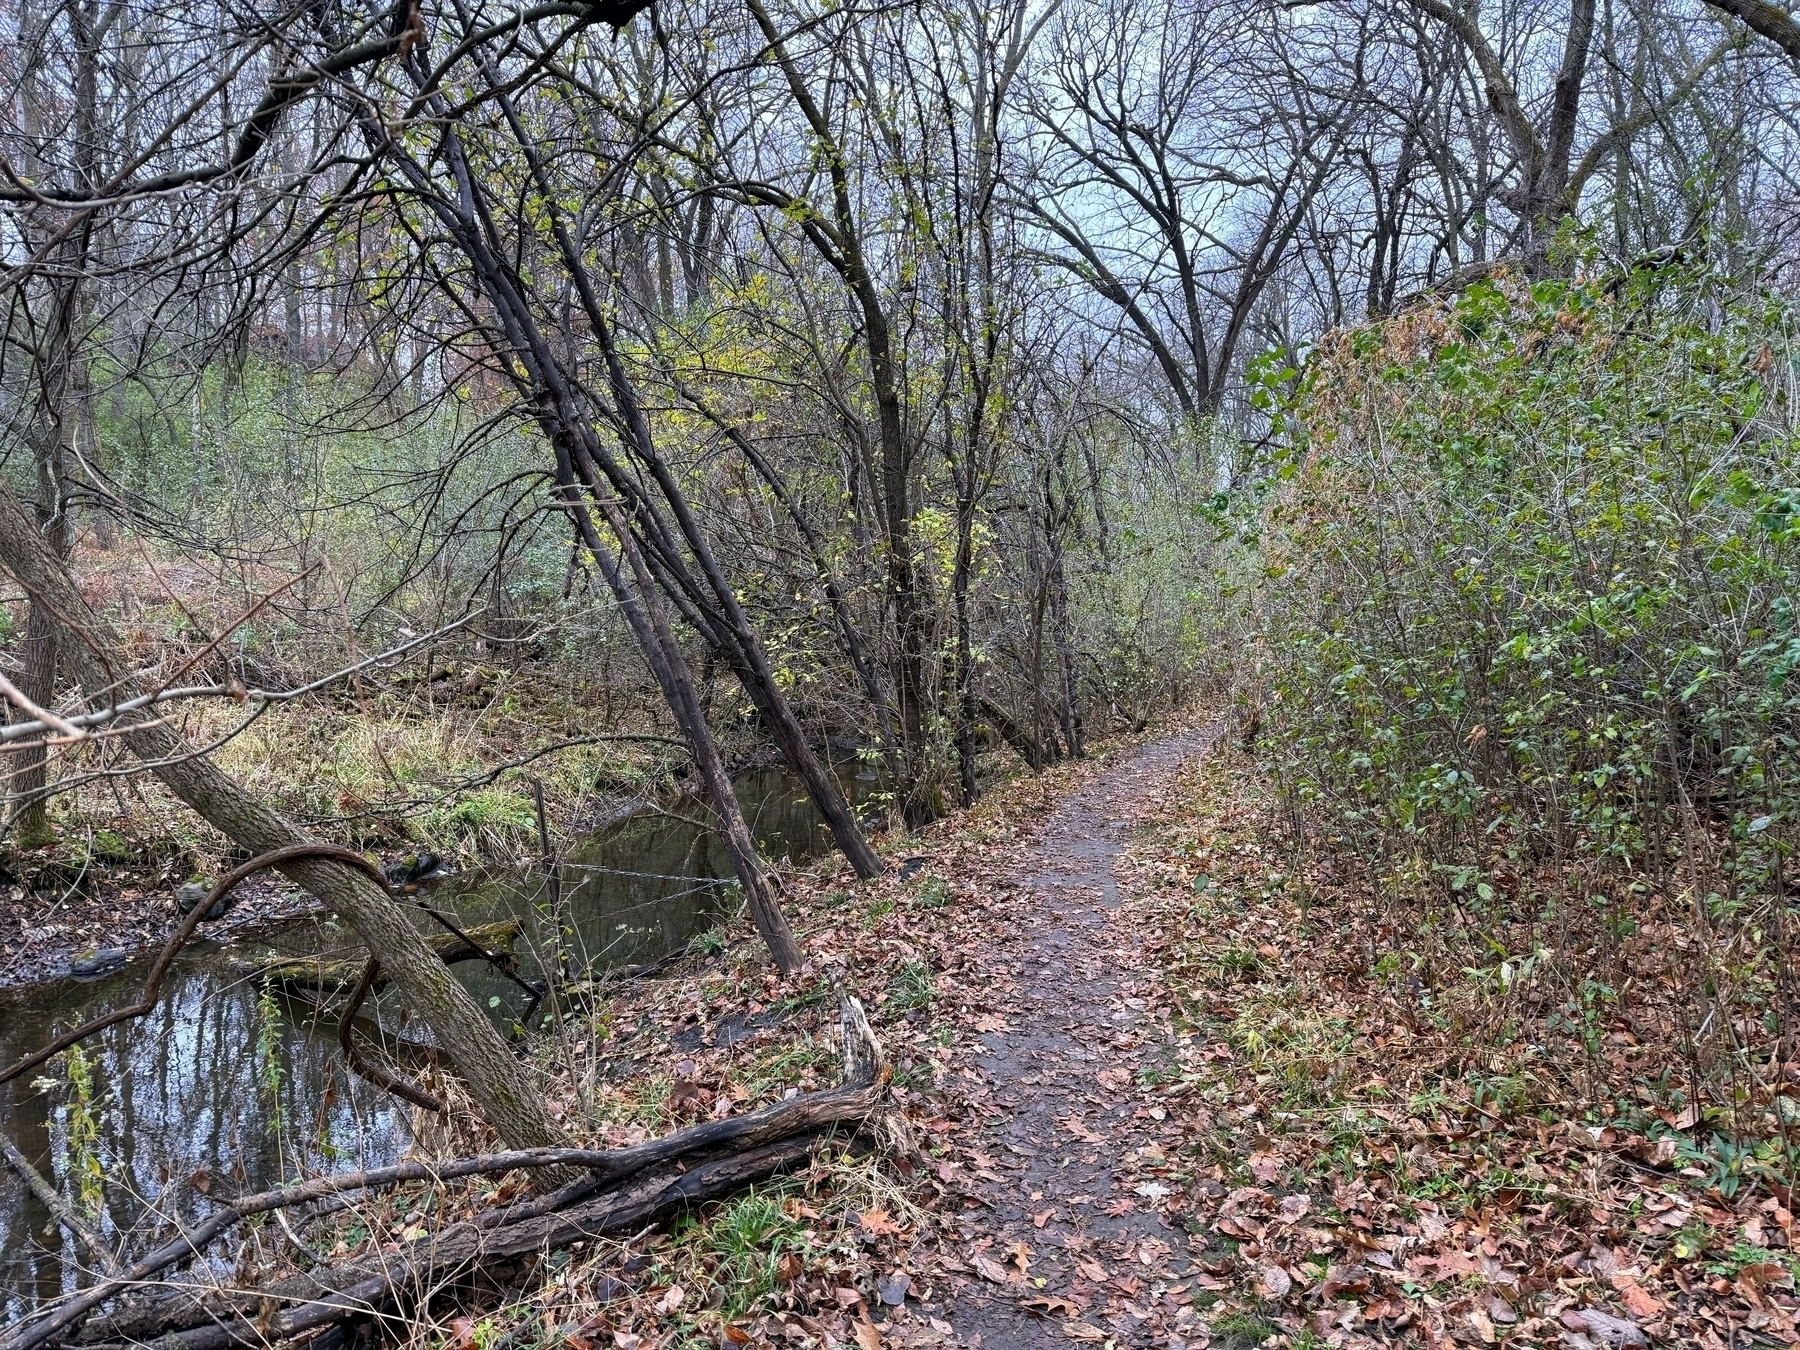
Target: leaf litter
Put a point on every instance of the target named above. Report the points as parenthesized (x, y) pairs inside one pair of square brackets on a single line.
[(1150, 1093)]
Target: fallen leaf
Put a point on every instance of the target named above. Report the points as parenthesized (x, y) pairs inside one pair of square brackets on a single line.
[(878, 1223), (1083, 1331), (1765, 1272), (989, 1269), (671, 1300), (1341, 1280), (1039, 1220), (867, 1336), (1639, 1302), (1686, 1120), (1049, 1305), (1613, 1332), (1081, 1131), (894, 1288), (1275, 1282), (1483, 1325)]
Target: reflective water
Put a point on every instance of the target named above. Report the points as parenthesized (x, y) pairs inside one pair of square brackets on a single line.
[(224, 1088)]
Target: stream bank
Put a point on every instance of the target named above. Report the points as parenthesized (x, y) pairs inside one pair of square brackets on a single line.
[(227, 1083)]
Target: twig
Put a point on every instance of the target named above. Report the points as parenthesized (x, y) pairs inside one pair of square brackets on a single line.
[(46, 720), (374, 1073), (232, 627)]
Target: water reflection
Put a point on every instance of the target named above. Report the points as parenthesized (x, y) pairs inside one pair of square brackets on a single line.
[(181, 1100), (186, 1091)]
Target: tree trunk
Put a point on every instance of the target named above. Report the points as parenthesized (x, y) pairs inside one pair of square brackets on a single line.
[(649, 621), (31, 821), (501, 1087)]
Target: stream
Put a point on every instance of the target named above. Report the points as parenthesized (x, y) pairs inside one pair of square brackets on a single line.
[(209, 1092)]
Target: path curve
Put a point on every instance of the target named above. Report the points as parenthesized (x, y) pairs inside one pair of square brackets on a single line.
[(1064, 1079)]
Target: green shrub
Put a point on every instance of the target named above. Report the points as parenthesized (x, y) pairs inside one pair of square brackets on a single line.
[(1532, 581), (1529, 642)]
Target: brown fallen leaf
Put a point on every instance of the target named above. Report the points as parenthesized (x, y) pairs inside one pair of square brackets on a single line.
[(878, 1223), (1614, 1332), (1765, 1272), (1483, 1324), (1083, 1331), (1039, 1220), (868, 1337), (1050, 1305), (989, 1269), (1639, 1302), (1275, 1282)]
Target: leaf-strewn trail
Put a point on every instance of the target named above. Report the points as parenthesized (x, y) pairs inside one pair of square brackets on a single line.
[(1194, 1103), (1068, 1218)]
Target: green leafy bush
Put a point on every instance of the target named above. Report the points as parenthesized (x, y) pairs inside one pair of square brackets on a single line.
[(1529, 647), (1531, 581)]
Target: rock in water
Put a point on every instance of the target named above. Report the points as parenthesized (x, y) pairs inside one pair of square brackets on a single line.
[(94, 964), (192, 894), (411, 869)]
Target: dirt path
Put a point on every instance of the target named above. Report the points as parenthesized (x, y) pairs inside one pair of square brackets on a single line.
[(1067, 1210)]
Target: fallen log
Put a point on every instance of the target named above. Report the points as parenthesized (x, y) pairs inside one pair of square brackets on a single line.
[(623, 1188), (429, 1263), (336, 972)]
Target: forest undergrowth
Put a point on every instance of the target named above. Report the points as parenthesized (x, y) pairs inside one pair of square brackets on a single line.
[(435, 751), (1367, 1134), (1415, 1141)]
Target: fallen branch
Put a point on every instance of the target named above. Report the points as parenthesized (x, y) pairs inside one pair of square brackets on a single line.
[(624, 1188), (51, 1199)]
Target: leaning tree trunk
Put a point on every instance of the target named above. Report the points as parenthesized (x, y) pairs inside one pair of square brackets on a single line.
[(559, 414), (498, 1082), (649, 623)]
